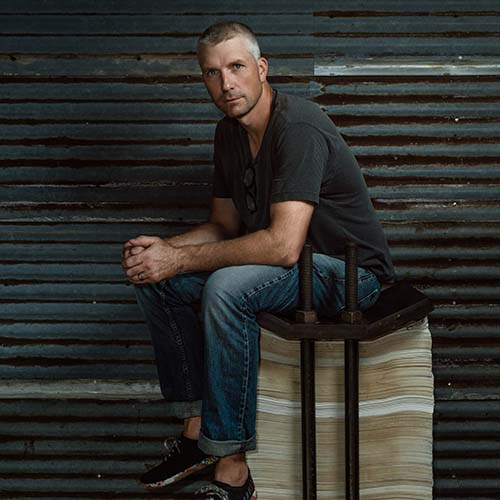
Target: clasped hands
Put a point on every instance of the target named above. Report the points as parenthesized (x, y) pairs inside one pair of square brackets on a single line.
[(149, 259)]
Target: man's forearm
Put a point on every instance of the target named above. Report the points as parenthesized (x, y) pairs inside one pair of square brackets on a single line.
[(280, 244), (260, 247), (204, 233)]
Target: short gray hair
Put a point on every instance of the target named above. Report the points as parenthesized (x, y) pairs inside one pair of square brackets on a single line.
[(226, 30)]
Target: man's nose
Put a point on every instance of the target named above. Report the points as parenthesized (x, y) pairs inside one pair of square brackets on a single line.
[(226, 81)]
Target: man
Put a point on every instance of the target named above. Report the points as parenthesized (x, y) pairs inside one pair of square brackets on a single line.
[(282, 173)]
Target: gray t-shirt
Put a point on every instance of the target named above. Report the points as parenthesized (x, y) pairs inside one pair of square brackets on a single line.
[(302, 157)]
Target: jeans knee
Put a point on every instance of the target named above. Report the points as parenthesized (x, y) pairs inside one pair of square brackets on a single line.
[(221, 292), (180, 290), (220, 284), (146, 293)]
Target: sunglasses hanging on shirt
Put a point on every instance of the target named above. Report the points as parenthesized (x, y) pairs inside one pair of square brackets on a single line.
[(250, 188)]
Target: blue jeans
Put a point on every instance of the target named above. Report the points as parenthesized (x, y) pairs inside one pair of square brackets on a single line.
[(208, 361)]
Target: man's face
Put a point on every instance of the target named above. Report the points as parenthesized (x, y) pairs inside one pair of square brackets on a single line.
[(234, 79)]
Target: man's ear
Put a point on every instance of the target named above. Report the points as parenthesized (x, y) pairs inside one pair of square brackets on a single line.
[(263, 67)]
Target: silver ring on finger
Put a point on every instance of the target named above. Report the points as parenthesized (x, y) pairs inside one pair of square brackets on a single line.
[(141, 276)]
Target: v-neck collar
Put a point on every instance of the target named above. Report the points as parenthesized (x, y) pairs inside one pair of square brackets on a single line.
[(246, 139)]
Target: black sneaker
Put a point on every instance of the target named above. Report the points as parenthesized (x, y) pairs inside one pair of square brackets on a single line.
[(183, 458), (217, 490)]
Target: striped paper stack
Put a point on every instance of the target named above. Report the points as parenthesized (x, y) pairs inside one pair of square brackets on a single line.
[(396, 406)]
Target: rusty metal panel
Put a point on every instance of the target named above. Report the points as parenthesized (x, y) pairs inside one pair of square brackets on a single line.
[(434, 180), (106, 132), (81, 448)]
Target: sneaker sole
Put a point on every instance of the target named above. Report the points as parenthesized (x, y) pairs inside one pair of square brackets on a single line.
[(181, 475)]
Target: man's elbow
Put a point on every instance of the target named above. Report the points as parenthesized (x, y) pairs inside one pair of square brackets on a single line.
[(286, 250), (291, 256)]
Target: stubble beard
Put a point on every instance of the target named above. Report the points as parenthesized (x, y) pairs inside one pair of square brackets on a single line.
[(246, 109)]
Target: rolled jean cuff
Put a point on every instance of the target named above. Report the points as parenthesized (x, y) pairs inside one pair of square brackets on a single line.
[(223, 448), (184, 409)]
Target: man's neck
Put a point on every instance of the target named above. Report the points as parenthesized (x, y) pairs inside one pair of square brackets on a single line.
[(256, 121)]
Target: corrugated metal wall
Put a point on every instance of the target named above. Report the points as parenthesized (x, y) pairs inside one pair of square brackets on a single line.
[(106, 133)]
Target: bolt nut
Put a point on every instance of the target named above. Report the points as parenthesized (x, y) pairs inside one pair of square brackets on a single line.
[(352, 317), (305, 316)]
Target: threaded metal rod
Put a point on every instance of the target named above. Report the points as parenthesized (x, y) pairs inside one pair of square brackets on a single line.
[(305, 279), (351, 401), (306, 314), (351, 277), (308, 407), (351, 374)]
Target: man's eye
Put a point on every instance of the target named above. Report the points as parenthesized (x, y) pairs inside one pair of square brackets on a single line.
[(211, 72), (237, 66)]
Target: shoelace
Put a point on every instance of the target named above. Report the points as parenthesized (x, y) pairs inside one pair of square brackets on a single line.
[(171, 444), (215, 492)]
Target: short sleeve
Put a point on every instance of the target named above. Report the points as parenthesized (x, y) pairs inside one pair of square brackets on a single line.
[(299, 161), (220, 187)]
